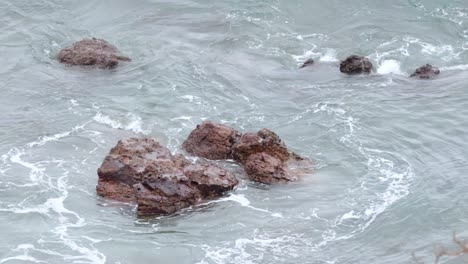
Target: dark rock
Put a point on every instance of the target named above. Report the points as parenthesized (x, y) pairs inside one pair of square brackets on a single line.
[(426, 72), (93, 51), (307, 63), (211, 141), (141, 170), (355, 65), (262, 141)]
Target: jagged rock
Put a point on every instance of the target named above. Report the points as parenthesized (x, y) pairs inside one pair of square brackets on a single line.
[(141, 170), (210, 180), (265, 168), (93, 51), (263, 155), (355, 65), (211, 141), (308, 62), (425, 72), (262, 141)]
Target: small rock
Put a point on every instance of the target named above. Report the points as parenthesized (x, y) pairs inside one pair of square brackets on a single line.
[(96, 52), (426, 72), (355, 65), (211, 141), (308, 62)]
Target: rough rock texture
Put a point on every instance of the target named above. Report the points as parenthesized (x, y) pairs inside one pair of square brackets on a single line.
[(262, 141), (308, 62), (93, 51), (264, 156), (141, 170), (211, 141), (355, 65), (265, 168), (425, 72)]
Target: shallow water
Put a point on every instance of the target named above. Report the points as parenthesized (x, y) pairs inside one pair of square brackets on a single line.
[(390, 152)]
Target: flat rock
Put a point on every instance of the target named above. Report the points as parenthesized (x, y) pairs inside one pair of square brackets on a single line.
[(356, 65), (211, 141), (91, 52)]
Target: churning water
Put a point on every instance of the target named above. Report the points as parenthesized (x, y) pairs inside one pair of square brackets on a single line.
[(390, 152)]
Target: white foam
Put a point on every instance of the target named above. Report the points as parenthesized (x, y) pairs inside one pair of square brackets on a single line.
[(135, 123), (243, 201), (390, 66), (329, 56), (462, 67)]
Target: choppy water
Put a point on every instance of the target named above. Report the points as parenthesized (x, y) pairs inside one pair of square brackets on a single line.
[(390, 152)]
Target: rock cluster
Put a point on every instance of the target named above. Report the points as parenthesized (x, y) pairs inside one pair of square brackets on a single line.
[(91, 52), (263, 155), (355, 64), (141, 170)]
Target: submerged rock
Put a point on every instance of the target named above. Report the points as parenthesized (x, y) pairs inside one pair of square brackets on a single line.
[(426, 72), (355, 65), (211, 141), (308, 62), (93, 51), (141, 170)]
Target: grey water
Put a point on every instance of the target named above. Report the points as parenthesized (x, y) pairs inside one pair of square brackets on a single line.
[(390, 152)]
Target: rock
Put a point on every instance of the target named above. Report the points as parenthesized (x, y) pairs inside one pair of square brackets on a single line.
[(93, 51), (425, 72), (308, 62), (141, 170), (210, 180), (265, 168), (263, 155), (355, 65), (158, 195), (211, 141), (262, 141)]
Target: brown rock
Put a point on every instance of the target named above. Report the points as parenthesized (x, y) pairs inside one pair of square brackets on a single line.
[(262, 141), (210, 180), (355, 65), (93, 51), (165, 195), (265, 168), (211, 141), (141, 170), (425, 72)]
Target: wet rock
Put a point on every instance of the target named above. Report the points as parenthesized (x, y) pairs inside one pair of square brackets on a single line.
[(211, 141), (265, 168), (262, 141), (308, 62), (426, 72), (210, 180), (167, 194), (263, 155), (87, 52), (355, 65), (141, 170)]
